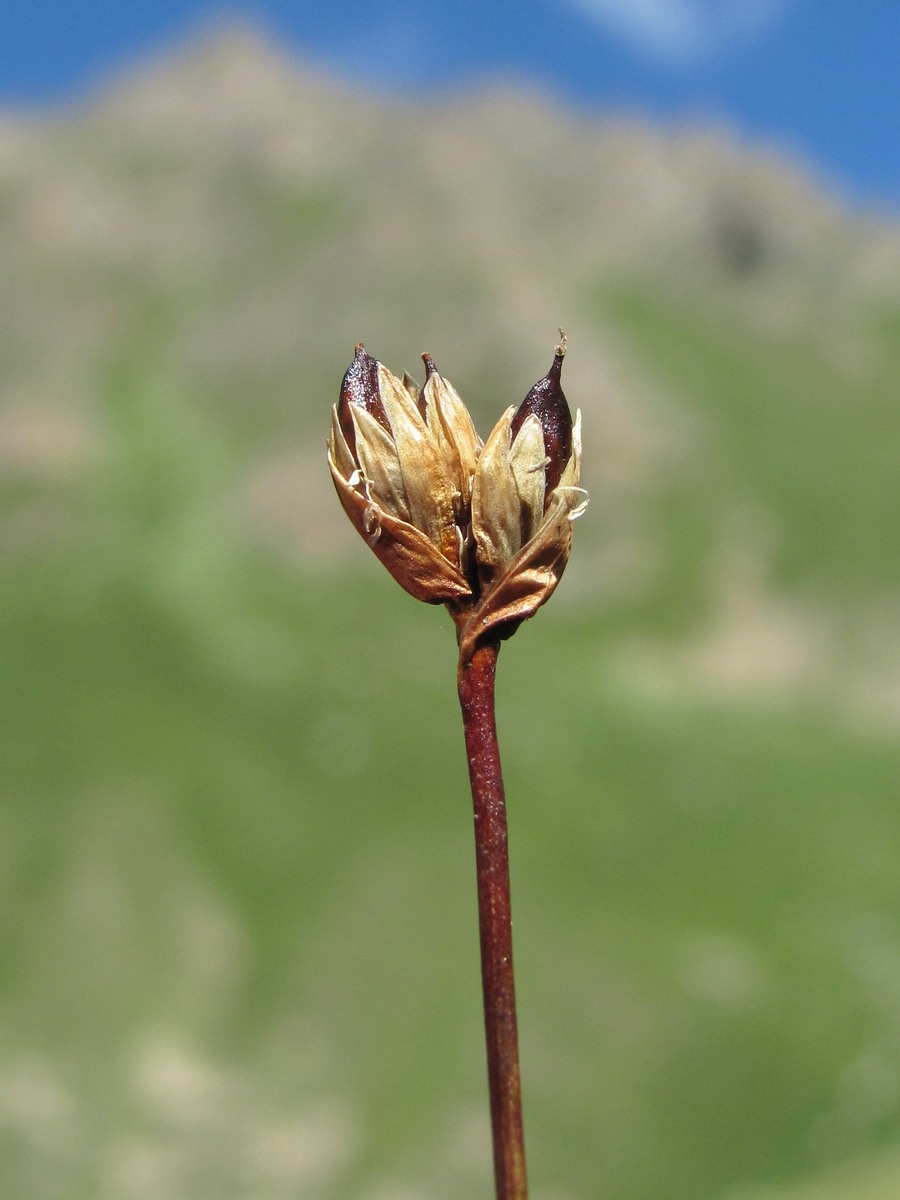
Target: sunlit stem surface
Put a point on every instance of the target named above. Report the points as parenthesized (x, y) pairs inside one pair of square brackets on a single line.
[(476, 697)]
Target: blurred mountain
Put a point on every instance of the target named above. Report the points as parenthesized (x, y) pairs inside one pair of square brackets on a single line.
[(297, 213), (236, 221), (240, 953)]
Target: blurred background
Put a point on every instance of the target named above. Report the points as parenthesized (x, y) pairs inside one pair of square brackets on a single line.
[(238, 947)]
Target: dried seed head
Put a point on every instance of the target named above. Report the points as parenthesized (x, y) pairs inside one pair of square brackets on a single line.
[(486, 529), (525, 497), (395, 479)]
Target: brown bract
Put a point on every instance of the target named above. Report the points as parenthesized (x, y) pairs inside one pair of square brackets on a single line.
[(405, 486), (485, 529)]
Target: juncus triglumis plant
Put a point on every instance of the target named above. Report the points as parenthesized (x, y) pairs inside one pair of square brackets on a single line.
[(486, 529)]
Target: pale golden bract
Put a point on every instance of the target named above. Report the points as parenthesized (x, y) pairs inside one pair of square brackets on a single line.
[(454, 521)]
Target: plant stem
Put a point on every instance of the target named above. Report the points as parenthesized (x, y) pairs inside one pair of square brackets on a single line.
[(476, 698)]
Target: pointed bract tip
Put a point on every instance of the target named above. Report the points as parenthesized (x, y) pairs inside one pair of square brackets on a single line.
[(559, 354)]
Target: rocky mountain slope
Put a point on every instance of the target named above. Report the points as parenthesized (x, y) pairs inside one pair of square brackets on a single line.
[(275, 217), (231, 222)]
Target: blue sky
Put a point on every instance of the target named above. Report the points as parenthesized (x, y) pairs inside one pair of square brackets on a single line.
[(815, 78)]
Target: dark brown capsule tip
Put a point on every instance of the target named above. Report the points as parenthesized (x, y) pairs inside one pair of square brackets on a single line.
[(430, 371), (548, 402), (360, 387)]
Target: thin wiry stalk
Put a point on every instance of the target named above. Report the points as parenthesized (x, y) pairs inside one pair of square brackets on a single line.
[(476, 696)]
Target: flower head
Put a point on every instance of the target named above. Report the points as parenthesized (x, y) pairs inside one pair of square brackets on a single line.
[(486, 529), (401, 462), (525, 497)]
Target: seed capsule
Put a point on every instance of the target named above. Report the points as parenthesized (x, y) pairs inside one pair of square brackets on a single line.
[(548, 402), (360, 387)]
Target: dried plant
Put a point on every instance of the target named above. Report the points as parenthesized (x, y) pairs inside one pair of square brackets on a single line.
[(486, 529)]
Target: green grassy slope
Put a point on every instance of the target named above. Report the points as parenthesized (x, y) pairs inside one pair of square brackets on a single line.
[(240, 955), (801, 421)]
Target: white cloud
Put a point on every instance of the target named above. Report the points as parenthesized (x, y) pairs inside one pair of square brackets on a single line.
[(684, 31)]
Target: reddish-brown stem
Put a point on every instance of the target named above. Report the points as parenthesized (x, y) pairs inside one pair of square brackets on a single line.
[(476, 697)]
